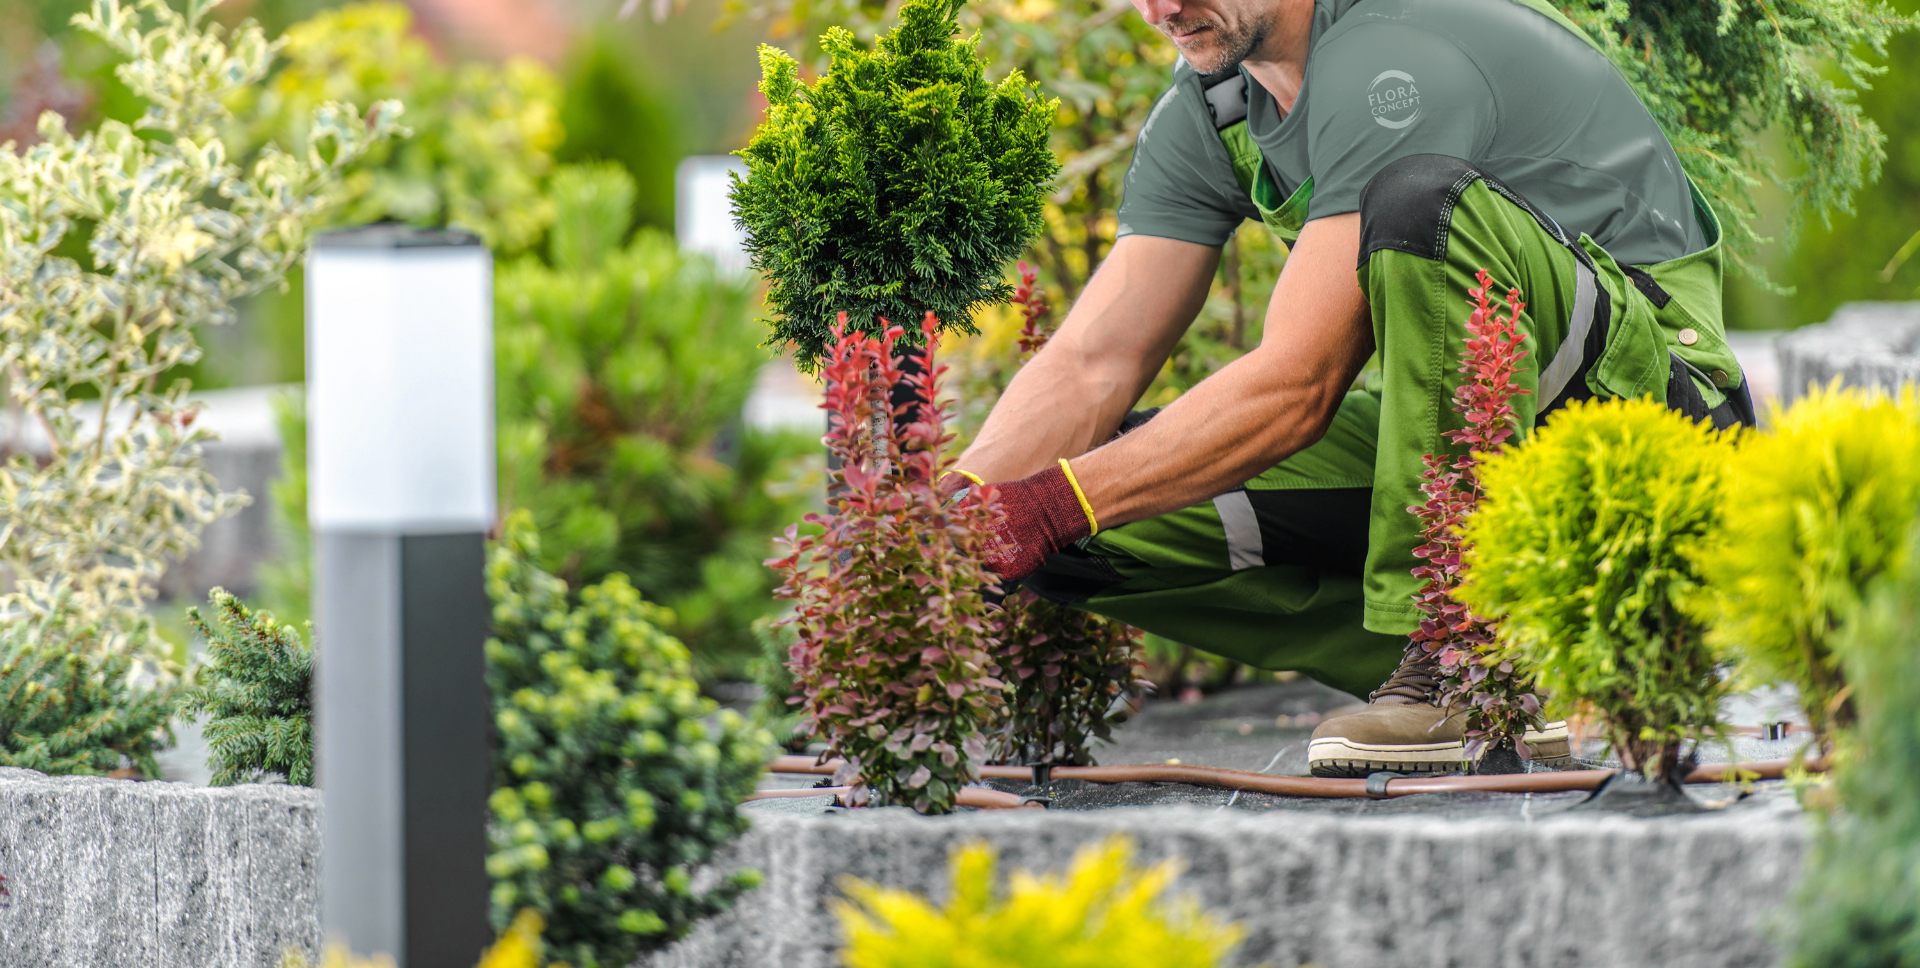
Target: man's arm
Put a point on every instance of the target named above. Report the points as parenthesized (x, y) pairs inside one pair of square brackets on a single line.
[(1071, 396), (1257, 410)]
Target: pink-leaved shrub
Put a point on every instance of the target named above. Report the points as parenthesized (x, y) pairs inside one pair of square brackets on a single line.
[(1069, 673), (1499, 703), (894, 658)]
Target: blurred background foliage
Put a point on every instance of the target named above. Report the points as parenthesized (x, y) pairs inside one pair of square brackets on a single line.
[(623, 368)]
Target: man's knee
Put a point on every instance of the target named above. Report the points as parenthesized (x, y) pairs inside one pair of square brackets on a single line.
[(1408, 205)]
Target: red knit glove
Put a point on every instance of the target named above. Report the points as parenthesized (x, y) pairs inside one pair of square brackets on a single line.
[(1043, 515)]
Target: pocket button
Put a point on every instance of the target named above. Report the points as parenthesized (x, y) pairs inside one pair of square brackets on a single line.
[(1689, 336)]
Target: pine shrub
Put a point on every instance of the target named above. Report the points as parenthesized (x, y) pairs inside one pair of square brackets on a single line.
[(67, 707), (1103, 913), (1818, 507), (1582, 550), (615, 782), (894, 659), (1498, 700), (898, 185), (623, 367), (1858, 903), (257, 687)]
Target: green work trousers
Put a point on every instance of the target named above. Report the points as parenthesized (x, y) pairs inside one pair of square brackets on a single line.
[(1308, 566)]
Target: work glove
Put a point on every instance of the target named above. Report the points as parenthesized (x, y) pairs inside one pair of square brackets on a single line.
[(1041, 515)]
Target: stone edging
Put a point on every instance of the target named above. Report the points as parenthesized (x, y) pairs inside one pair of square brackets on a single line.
[(107, 873), (1312, 888)]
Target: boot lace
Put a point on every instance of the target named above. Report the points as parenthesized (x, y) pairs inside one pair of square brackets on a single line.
[(1418, 677)]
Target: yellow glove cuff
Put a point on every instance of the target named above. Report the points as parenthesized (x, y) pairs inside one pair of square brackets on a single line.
[(1092, 524)]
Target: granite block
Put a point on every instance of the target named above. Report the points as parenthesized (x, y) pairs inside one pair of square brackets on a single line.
[(106, 873), (1319, 888)]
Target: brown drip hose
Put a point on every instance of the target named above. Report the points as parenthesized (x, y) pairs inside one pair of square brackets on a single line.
[(1560, 781), (980, 797)]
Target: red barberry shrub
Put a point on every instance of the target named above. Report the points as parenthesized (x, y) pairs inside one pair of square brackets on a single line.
[(1500, 704), (1069, 672), (1034, 312), (894, 651)]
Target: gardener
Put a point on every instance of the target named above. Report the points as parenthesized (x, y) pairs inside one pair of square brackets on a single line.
[(1263, 515)]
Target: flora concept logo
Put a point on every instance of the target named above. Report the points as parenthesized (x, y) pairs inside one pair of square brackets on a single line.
[(1393, 100)]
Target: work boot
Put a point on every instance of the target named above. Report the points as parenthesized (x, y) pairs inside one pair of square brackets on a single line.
[(1404, 729)]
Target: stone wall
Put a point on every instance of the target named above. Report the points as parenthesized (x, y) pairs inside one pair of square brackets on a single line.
[(1578, 889), (107, 873), (1864, 344)]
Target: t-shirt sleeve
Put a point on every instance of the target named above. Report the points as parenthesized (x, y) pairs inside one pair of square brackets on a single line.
[(1181, 184), (1381, 92)]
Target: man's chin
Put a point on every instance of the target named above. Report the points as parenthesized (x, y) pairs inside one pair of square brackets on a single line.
[(1211, 60)]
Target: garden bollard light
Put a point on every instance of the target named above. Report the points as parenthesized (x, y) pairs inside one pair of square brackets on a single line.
[(401, 469)]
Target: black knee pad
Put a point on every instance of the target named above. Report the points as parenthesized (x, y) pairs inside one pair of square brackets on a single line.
[(1408, 205)]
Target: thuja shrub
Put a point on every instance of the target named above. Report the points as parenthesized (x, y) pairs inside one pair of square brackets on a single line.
[(898, 185), (1818, 506), (1858, 904), (257, 690), (615, 782), (895, 642), (1105, 912), (1499, 700), (1582, 549), (67, 707)]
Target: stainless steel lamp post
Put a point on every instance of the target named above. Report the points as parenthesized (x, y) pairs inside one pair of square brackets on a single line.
[(401, 495)]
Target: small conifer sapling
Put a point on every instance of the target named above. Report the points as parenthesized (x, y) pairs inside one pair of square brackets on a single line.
[(899, 184), (257, 687)]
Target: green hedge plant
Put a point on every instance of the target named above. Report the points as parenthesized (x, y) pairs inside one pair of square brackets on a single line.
[(615, 782), (1583, 549), (898, 185), (257, 690), (1818, 507), (114, 244)]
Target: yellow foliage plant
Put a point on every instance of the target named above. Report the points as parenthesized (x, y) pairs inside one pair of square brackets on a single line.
[(518, 947), (1817, 507), (1103, 913)]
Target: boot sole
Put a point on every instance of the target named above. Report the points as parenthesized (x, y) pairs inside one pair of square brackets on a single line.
[(1337, 756)]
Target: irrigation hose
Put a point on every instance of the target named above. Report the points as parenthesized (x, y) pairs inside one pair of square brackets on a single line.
[(980, 797), (1560, 781)]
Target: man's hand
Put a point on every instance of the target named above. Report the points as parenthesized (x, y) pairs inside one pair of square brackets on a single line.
[(1254, 413), (1043, 515)]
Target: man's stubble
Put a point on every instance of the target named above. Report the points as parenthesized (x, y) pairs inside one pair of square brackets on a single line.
[(1227, 46)]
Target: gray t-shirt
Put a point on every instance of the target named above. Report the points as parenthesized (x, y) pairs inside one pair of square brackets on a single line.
[(1492, 81)]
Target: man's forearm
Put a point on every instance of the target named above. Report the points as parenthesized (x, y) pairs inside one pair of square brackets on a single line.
[(1256, 411), (1083, 400), (1071, 397)]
